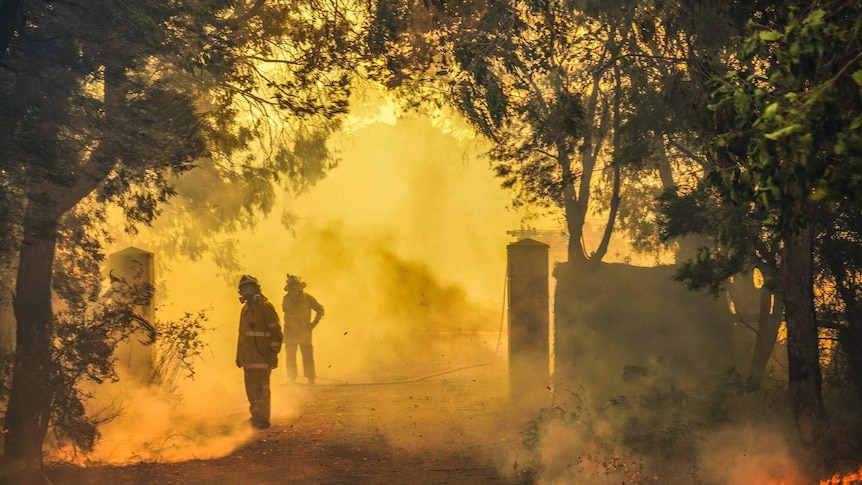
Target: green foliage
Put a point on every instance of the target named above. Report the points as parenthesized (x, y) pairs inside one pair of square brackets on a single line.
[(92, 324), (733, 239), (79, 257), (87, 329), (790, 123), (640, 206), (521, 89), (788, 147)]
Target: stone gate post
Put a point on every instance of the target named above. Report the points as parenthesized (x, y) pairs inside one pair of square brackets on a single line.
[(529, 366)]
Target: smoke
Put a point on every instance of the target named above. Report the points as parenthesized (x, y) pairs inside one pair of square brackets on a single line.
[(646, 389), (752, 453), (402, 243), (150, 425), (585, 448)]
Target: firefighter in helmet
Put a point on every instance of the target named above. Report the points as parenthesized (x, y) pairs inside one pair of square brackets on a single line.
[(298, 324), (257, 347)]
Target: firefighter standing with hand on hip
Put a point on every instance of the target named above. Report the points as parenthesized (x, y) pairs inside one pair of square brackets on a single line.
[(297, 306), (257, 348)]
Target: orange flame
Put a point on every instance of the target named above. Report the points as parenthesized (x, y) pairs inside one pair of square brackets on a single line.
[(851, 479), (854, 478)]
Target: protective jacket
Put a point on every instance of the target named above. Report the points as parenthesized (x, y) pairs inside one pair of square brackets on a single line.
[(297, 316), (260, 336)]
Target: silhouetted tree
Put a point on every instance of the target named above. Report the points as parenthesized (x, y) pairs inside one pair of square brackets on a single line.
[(545, 83), (104, 101), (789, 146)]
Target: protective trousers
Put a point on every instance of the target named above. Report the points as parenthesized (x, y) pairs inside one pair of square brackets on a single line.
[(257, 390), (307, 350)]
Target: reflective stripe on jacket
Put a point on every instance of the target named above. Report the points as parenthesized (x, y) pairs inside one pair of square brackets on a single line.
[(260, 334)]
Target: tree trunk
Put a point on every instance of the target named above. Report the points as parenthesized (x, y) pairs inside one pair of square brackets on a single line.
[(29, 407), (767, 333), (602, 248), (665, 172), (575, 224), (803, 353), (30, 397), (575, 214)]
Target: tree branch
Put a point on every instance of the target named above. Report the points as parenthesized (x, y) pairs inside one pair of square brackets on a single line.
[(251, 12), (688, 153)]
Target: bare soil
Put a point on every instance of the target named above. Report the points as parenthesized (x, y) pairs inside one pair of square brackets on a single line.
[(454, 428)]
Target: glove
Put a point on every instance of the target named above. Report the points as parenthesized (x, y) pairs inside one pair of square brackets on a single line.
[(238, 364), (273, 361)]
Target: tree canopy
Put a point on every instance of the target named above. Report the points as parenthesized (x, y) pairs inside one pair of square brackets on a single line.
[(107, 102)]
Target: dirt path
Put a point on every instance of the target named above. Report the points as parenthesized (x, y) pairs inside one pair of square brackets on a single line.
[(453, 428)]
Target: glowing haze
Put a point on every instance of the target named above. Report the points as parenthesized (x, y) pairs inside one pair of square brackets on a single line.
[(404, 243), (407, 236)]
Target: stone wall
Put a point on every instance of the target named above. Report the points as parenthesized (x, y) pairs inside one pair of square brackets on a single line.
[(612, 320)]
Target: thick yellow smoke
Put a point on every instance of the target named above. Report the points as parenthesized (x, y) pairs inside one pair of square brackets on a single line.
[(404, 242), (405, 238)]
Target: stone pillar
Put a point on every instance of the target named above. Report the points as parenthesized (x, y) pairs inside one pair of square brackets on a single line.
[(529, 366), (135, 267)]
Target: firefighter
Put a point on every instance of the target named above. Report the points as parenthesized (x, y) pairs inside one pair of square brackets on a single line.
[(297, 306), (257, 348)]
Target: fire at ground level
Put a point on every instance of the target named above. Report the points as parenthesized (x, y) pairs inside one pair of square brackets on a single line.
[(455, 428), (451, 428)]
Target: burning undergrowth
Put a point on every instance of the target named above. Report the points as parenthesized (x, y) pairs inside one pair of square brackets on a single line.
[(721, 432), (136, 409), (150, 425)]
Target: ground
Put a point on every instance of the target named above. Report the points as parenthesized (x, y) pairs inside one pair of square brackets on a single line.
[(453, 428)]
